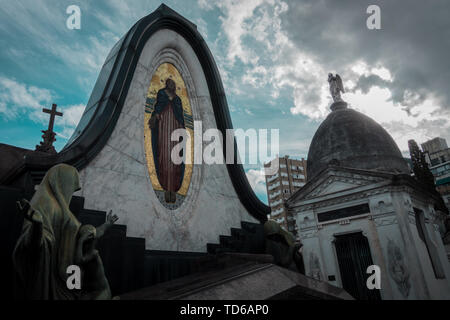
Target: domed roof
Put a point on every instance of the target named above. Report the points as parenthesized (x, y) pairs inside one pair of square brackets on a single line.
[(351, 139)]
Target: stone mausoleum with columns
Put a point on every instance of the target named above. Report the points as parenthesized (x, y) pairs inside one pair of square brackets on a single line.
[(361, 207)]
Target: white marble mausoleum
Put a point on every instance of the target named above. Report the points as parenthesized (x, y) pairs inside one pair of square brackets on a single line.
[(361, 207)]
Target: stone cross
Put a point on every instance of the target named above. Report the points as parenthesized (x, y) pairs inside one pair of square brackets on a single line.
[(53, 113), (49, 135)]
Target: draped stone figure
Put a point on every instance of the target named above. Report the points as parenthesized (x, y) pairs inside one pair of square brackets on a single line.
[(166, 118), (52, 239), (282, 246)]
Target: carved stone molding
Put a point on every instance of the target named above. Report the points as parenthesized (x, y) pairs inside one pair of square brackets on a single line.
[(386, 221), (309, 234), (355, 179), (398, 270), (315, 270), (344, 199)]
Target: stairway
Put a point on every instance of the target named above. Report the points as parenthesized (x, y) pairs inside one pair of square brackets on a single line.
[(248, 239), (129, 266)]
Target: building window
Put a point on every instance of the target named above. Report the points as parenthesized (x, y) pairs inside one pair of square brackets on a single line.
[(434, 161)]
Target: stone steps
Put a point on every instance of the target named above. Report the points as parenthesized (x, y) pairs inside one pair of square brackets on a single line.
[(128, 265), (247, 239)]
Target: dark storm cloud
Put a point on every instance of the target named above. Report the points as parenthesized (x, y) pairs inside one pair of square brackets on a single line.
[(364, 83), (414, 42)]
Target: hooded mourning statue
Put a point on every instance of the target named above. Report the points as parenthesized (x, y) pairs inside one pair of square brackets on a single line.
[(52, 239)]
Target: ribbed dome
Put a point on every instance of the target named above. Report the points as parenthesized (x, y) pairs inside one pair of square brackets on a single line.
[(349, 138)]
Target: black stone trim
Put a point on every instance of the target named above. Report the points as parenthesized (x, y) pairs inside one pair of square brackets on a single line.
[(111, 89), (343, 212)]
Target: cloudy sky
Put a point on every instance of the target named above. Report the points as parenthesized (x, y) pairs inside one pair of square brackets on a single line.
[(273, 55)]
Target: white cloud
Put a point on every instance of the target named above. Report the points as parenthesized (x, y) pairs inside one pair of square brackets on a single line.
[(383, 73), (68, 122), (202, 27), (17, 98), (420, 125), (4, 110), (361, 68), (72, 115), (205, 4), (257, 19), (247, 111), (257, 180), (271, 59), (66, 133), (235, 27)]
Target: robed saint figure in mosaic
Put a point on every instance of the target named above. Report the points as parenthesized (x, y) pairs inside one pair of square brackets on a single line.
[(167, 116), (168, 109)]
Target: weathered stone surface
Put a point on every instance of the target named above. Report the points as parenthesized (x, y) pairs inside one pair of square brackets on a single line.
[(246, 277)]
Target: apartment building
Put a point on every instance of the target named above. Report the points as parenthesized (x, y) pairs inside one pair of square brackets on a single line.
[(290, 176), (437, 154)]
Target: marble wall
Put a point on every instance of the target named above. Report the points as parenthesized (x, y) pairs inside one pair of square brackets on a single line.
[(118, 177)]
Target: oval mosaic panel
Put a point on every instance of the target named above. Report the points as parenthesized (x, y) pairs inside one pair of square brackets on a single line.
[(167, 109)]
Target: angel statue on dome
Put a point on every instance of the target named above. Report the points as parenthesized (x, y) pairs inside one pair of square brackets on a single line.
[(336, 87)]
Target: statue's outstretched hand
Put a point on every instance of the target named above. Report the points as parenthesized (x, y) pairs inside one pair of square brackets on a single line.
[(29, 213), (111, 218)]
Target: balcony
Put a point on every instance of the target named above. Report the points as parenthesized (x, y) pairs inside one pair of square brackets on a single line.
[(272, 178), (273, 195), (273, 186)]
